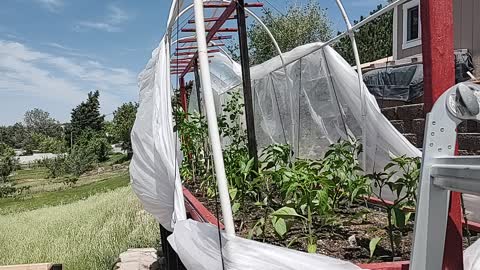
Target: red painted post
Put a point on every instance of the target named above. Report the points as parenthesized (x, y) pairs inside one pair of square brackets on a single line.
[(439, 75)]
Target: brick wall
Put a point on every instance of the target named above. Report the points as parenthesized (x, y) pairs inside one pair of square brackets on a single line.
[(410, 121)]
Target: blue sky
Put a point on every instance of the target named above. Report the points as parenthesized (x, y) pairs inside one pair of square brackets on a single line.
[(53, 52)]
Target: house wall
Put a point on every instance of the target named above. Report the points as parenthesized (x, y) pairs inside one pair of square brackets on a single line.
[(466, 29)]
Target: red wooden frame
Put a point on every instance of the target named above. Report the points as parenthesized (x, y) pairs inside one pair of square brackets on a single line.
[(195, 47), (226, 5), (191, 40), (439, 76), (227, 29), (198, 211), (230, 8), (214, 19)]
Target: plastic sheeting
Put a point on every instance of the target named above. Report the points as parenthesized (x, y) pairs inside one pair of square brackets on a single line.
[(405, 82), (198, 246), (314, 104), (154, 170), (471, 257), (326, 107)]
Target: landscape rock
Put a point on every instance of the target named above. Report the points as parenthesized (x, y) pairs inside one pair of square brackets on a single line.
[(138, 259)]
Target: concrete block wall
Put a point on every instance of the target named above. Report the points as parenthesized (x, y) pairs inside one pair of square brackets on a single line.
[(410, 121)]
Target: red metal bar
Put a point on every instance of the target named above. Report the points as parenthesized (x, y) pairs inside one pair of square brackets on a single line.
[(190, 40), (185, 60), (185, 63), (438, 76), (231, 30), (195, 47), (214, 19), (193, 53), (211, 35), (226, 5)]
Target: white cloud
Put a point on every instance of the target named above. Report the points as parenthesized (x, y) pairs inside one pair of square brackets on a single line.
[(65, 50), (51, 5), (43, 78), (111, 23)]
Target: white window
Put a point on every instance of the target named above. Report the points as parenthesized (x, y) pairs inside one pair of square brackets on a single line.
[(412, 28)]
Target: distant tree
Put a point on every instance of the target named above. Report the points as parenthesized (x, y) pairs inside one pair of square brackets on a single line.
[(7, 162), (86, 116), (14, 136), (298, 26), (374, 39), (39, 121), (123, 120)]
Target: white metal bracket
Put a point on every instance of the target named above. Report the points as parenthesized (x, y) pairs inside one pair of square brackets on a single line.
[(442, 172)]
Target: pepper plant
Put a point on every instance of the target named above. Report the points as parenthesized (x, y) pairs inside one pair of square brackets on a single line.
[(400, 177)]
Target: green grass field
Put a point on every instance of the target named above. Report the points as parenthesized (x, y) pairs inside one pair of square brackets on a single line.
[(87, 234), (64, 196), (84, 226)]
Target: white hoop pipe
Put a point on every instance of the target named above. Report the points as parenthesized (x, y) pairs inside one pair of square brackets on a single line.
[(363, 103), (214, 135)]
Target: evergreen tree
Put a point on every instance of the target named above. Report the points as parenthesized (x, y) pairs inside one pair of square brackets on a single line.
[(86, 116), (374, 39), (123, 119)]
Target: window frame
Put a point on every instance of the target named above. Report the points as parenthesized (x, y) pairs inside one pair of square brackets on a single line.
[(406, 44)]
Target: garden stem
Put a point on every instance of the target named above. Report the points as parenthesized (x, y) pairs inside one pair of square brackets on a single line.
[(469, 241), (193, 171), (265, 216), (390, 231), (309, 213)]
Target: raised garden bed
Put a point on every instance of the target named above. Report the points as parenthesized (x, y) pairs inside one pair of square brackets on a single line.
[(199, 212), (317, 206)]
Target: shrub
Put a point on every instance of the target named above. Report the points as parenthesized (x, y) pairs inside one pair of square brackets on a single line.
[(7, 162), (79, 160), (8, 190), (70, 181), (95, 144), (100, 148), (56, 166)]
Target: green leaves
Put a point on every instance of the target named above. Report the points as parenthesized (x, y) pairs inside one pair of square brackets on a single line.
[(373, 245), (286, 212), (280, 226), (280, 219), (400, 218)]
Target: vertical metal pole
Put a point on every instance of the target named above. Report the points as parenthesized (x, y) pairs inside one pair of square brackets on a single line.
[(247, 86), (439, 76), (172, 261), (212, 120), (197, 86)]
